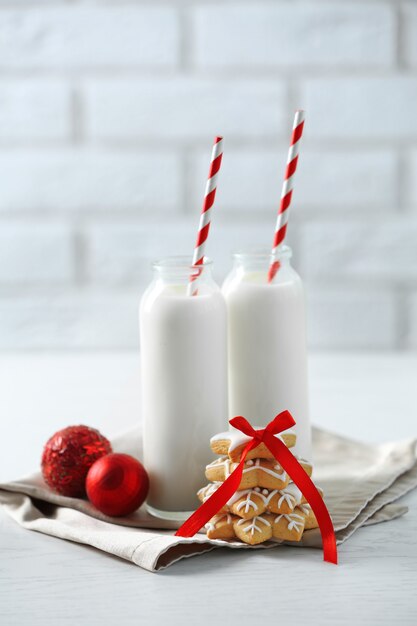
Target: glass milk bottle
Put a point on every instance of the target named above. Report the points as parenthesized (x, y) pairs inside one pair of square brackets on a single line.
[(267, 343), (184, 382)]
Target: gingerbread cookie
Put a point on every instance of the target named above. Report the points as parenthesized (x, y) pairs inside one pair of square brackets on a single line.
[(255, 530), (310, 520), (204, 494), (256, 473), (232, 444), (288, 527), (247, 503), (283, 500), (221, 526)]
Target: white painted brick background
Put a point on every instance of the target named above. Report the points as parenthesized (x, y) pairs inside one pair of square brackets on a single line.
[(183, 108), (88, 179), (264, 35), (361, 107), (34, 110), (88, 37), (35, 253), (107, 114)]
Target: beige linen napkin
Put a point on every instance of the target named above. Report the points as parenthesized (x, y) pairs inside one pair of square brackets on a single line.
[(360, 483)]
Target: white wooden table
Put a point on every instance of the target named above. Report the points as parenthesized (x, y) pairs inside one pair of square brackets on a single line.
[(47, 581)]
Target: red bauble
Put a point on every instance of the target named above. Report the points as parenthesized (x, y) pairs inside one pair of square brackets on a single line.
[(117, 484), (68, 455)]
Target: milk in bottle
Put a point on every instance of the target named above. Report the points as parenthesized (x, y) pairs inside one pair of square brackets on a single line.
[(267, 343), (184, 382)]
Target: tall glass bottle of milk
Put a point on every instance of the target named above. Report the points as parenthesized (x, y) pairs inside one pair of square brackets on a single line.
[(267, 343), (184, 382)]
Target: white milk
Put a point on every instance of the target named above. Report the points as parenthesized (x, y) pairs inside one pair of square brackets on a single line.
[(184, 384), (267, 344)]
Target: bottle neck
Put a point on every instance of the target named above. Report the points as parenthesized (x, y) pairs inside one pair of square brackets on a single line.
[(261, 260), (176, 270)]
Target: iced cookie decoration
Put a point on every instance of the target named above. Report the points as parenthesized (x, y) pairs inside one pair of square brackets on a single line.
[(259, 490), (289, 527), (256, 473), (247, 503), (306, 511), (233, 443), (255, 530)]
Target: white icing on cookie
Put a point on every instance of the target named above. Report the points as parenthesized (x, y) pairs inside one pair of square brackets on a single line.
[(252, 524), (211, 525), (224, 462), (256, 465), (294, 521), (291, 495), (305, 508), (208, 490), (248, 503), (250, 466), (237, 438), (268, 495), (237, 495)]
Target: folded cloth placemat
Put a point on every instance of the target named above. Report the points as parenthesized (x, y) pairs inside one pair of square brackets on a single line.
[(360, 483)]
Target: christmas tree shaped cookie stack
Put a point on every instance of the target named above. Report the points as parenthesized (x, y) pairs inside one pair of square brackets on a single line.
[(267, 504)]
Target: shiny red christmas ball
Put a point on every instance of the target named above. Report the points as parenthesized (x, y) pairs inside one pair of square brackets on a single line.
[(117, 484), (67, 457)]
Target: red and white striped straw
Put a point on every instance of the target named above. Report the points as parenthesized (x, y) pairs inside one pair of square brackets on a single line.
[(287, 189), (205, 217)]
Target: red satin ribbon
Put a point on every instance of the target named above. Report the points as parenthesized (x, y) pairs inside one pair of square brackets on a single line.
[(287, 460)]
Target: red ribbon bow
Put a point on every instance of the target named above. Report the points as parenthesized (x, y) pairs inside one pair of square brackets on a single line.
[(287, 460)]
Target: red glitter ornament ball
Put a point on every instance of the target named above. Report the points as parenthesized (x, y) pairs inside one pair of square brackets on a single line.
[(67, 457), (117, 484)]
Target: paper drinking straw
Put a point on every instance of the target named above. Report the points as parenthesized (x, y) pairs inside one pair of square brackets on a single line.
[(205, 217), (286, 194)]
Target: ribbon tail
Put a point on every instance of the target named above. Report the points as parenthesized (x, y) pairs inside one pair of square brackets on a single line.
[(216, 502), (309, 490)]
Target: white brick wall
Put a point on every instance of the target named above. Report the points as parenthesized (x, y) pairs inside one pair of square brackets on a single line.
[(413, 179), (413, 322), (73, 320), (384, 249), (34, 110), (263, 35), (184, 108), (107, 113), (410, 43), (327, 180), (35, 254), (352, 318), (361, 108), (88, 37), (88, 179)]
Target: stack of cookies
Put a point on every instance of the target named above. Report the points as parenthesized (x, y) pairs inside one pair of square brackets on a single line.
[(267, 505)]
